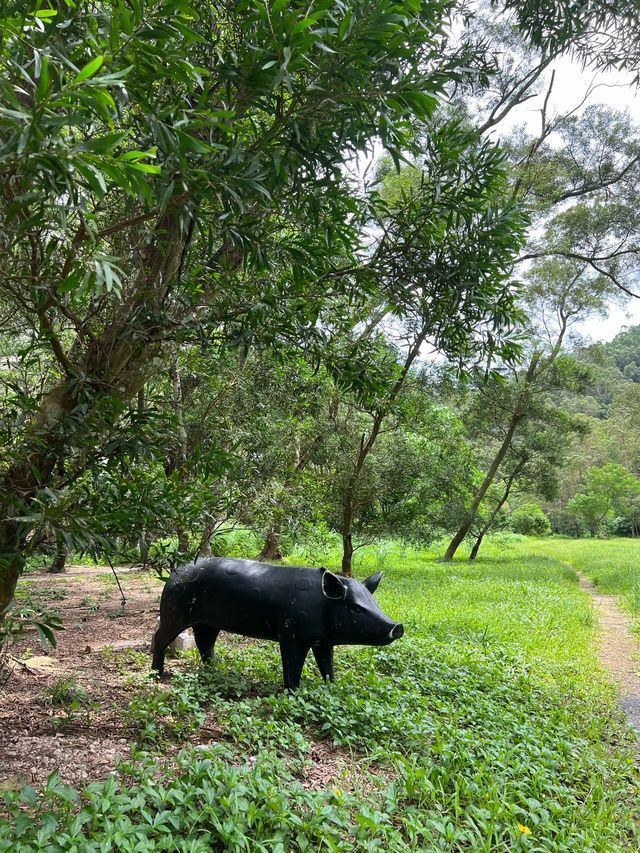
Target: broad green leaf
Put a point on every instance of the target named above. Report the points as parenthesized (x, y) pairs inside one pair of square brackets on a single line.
[(89, 69), (46, 634)]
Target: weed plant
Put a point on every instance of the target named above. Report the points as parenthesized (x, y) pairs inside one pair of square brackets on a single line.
[(488, 727)]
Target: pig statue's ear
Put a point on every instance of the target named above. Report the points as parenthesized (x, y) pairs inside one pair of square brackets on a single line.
[(332, 586), (372, 581)]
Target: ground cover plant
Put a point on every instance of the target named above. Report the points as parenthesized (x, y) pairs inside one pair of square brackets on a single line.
[(488, 727)]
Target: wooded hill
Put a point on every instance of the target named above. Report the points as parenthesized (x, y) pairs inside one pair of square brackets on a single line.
[(609, 408)]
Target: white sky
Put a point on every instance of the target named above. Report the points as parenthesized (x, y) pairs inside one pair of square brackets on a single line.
[(605, 330)]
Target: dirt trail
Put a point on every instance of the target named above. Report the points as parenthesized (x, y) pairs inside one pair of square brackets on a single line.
[(618, 649), (80, 571), (96, 652)]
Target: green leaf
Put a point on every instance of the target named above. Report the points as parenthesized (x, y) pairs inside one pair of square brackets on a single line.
[(29, 796), (189, 143), (103, 144), (43, 81), (14, 114), (46, 634), (145, 167), (345, 26), (89, 69), (137, 155)]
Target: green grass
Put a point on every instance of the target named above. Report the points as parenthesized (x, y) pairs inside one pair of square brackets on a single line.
[(488, 727), (612, 564)]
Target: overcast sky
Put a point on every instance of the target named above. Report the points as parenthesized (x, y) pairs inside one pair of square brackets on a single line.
[(614, 89)]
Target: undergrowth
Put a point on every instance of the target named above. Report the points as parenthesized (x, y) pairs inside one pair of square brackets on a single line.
[(488, 727)]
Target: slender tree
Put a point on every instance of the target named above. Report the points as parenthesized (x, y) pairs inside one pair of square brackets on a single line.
[(559, 294)]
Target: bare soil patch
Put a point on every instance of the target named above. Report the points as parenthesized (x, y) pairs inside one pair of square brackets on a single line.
[(328, 766), (38, 736), (618, 650)]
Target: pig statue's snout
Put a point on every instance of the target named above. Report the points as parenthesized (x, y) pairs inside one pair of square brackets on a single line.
[(397, 631)]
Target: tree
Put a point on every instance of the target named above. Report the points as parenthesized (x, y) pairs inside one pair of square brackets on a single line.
[(416, 474), (624, 350), (538, 450), (440, 260), (600, 33), (530, 520), (609, 489), (154, 158), (275, 421), (558, 293), (624, 425), (581, 195)]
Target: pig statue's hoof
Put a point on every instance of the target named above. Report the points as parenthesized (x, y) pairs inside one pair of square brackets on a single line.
[(154, 675)]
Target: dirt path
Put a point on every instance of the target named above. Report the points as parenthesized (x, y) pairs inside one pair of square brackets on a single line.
[(618, 649), (80, 571), (94, 656)]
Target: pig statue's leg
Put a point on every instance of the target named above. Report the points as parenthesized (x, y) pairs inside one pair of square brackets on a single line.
[(162, 638), (293, 655), (205, 637), (323, 653)]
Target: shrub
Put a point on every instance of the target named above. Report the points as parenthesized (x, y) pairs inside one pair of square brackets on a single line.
[(530, 520)]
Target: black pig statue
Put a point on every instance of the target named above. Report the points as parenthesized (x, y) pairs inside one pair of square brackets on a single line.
[(302, 608)]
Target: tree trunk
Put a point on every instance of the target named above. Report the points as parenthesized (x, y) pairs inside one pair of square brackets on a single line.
[(482, 491), (183, 539), (478, 543), (144, 545), (11, 563), (181, 450), (271, 548), (347, 551), (60, 558), (347, 533), (492, 518), (347, 555), (366, 446), (516, 418)]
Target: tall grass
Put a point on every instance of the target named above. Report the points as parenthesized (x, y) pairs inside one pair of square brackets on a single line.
[(612, 564)]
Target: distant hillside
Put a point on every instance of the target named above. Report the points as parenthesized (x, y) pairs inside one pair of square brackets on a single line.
[(614, 364), (624, 349)]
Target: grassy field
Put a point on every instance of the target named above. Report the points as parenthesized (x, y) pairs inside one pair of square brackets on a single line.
[(612, 564), (488, 727)]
